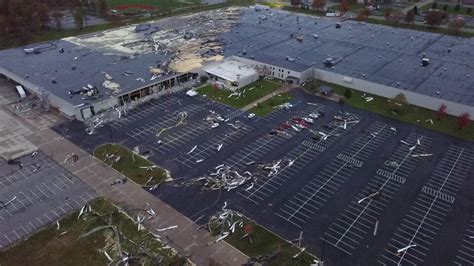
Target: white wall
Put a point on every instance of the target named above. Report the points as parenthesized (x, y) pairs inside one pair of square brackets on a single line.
[(390, 92), (277, 72)]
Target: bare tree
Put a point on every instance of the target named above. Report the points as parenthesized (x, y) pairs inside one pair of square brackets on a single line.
[(295, 2), (57, 17), (319, 4), (456, 25), (433, 18), (344, 7), (410, 17), (363, 15)]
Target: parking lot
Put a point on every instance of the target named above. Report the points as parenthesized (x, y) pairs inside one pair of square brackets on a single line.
[(36, 194), (360, 191)]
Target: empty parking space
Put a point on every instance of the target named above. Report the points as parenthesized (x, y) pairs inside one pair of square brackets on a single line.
[(412, 240), (35, 195), (303, 205), (301, 156), (150, 130), (465, 254), (146, 109), (359, 219), (214, 145)]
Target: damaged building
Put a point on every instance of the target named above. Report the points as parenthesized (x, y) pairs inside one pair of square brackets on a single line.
[(86, 74)]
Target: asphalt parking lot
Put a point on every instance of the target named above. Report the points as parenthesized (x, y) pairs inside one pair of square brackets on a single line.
[(378, 192), (35, 195)]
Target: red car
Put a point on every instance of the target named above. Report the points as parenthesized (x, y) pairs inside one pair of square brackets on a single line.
[(285, 125)]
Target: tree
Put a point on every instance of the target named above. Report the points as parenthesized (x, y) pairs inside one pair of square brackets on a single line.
[(463, 121), (445, 7), (410, 16), (469, 10), (363, 14), (319, 4), (348, 93), (398, 103), (344, 6), (57, 17), (79, 16), (434, 18), (43, 15), (102, 5), (457, 7), (392, 16), (204, 78), (434, 5), (456, 25), (342, 101), (295, 2), (415, 9), (441, 112)]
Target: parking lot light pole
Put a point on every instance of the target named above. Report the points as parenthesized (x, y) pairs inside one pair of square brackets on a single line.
[(418, 129)]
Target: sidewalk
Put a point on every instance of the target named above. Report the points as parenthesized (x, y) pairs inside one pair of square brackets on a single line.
[(131, 196)]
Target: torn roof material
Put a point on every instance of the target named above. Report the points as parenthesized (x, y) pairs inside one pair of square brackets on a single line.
[(376, 53)]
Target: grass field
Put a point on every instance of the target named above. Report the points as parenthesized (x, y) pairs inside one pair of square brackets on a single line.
[(268, 106), (260, 89), (66, 246), (411, 114), (158, 4), (130, 163), (266, 243)]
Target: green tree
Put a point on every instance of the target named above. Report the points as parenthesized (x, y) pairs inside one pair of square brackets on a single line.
[(79, 16), (348, 93), (457, 7), (445, 7)]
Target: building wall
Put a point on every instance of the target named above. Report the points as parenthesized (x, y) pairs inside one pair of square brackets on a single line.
[(390, 92), (63, 106), (275, 71)]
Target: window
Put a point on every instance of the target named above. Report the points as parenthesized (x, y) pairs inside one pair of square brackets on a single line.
[(288, 72)]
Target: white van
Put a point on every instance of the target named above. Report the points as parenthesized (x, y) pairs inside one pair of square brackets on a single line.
[(191, 93)]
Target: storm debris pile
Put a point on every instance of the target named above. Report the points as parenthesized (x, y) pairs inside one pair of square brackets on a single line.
[(224, 223), (225, 177)]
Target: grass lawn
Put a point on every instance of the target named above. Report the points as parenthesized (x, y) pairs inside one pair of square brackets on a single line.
[(12, 41), (54, 247), (268, 106), (222, 95), (411, 114), (265, 243), (130, 163)]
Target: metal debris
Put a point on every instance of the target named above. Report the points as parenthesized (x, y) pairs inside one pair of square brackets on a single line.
[(166, 228), (225, 177), (3, 205)]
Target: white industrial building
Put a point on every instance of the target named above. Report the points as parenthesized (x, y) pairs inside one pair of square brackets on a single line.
[(233, 74)]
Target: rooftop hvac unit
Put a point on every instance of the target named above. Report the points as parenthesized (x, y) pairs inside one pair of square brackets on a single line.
[(425, 61), (347, 79), (338, 25)]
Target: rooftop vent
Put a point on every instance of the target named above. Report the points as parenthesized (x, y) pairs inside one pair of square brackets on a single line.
[(338, 25), (425, 61)]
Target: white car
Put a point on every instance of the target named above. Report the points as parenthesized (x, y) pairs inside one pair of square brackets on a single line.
[(308, 120), (295, 128), (314, 115), (251, 115), (214, 125), (191, 93)]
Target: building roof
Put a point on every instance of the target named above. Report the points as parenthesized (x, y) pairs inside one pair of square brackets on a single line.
[(231, 70), (59, 72), (376, 53)]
